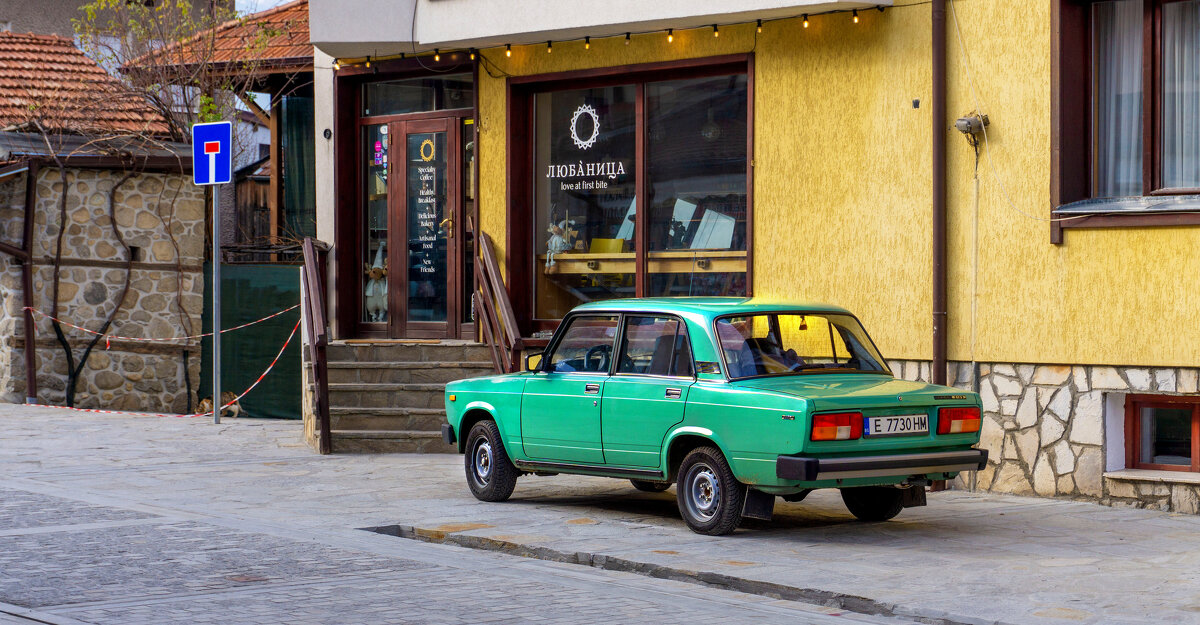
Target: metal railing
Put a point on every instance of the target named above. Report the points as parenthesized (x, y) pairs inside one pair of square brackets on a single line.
[(317, 324)]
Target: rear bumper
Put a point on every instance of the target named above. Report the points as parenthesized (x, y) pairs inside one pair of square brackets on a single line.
[(807, 469)]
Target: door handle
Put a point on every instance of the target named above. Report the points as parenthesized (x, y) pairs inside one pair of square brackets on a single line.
[(449, 231), (674, 393), (591, 389)]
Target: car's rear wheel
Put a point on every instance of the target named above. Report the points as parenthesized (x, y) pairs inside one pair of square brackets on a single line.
[(710, 498), (650, 487), (873, 503), (490, 474)]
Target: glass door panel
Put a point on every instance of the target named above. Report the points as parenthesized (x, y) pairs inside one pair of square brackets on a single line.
[(430, 219), (375, 225)]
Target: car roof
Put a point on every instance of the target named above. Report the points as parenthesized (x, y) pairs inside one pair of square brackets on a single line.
[(709, 306)]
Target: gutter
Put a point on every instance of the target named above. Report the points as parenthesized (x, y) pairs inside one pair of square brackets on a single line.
[(938, 66)]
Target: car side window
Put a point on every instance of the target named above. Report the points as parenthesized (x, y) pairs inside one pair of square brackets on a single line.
[(655, 346), (586, 345)]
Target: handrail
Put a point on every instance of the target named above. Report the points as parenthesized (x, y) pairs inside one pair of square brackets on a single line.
[(312, 280), (493, 310)]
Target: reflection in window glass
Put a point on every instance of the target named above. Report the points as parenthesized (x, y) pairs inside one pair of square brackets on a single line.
[(655, 346), (416, 95), (375, 194), (775, 344), (1117, 97), (697, 165), (584, 197), (1166, 436), (1181, 95), (586, 345)]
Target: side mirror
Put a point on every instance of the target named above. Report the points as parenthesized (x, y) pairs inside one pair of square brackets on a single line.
[(533, 361)]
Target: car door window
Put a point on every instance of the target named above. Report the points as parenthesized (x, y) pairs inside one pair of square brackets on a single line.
[(655, 345), (586, 345)]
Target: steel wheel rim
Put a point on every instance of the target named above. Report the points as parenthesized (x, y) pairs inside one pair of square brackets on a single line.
[(481, 462), (703, 492)]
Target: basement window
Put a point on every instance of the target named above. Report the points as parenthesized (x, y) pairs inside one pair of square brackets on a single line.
[(1162, 432)]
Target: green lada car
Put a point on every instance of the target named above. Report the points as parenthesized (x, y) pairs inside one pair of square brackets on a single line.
[(736, 401)]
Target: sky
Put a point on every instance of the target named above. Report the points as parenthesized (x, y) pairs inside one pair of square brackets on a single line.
[(254, 6)]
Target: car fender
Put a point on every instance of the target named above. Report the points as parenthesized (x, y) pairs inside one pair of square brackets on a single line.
[(690, 430), (490, 409)]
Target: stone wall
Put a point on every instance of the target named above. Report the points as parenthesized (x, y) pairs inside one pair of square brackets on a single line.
[(1058, 431), (162, 216)]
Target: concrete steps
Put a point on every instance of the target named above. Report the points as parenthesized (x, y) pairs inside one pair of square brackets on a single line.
[(389, 396)]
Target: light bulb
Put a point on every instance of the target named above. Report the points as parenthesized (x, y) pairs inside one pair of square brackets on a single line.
[(472, 54), (716, 33), (549, 47), (336, 66), (437, 54), (855, 16), (626, 38), (587, 43), (368, 61), (806, 20), (760, 26), (670, 35), (508, 50)]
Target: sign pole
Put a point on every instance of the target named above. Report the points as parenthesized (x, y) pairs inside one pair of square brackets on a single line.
[(212, 165), (216, 304)]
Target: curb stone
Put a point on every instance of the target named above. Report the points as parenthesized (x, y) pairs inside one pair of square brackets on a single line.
[(850, 603)]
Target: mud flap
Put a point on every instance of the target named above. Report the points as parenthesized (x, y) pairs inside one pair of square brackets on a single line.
[(912, 497), (759, 505)]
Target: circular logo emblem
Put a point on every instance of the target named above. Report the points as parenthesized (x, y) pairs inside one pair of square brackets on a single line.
[(580, 142), (428, 143)]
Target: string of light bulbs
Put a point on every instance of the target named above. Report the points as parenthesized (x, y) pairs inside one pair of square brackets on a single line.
[(366, 61)]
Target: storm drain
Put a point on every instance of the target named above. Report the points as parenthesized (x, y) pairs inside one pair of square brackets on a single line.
[(850, 603)]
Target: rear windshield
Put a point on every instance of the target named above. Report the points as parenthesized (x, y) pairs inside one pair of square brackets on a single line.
[(796, 344)]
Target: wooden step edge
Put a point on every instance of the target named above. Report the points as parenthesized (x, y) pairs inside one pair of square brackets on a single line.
[(406, 364), (386, 434), (377, 387), (392, 411)]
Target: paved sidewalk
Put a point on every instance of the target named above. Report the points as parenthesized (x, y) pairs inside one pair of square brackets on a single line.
[(965, 558)]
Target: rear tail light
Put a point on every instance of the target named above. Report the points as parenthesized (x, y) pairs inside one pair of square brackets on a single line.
[(837, 426), (958, 420)]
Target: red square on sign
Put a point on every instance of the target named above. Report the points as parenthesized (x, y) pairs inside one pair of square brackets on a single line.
[(212, 147)]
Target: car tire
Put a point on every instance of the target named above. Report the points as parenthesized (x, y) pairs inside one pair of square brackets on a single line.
[(490, 474), (650, 487), (873, 503), (710, 498)]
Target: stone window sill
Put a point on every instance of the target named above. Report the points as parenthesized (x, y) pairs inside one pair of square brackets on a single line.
[(1147, 475)]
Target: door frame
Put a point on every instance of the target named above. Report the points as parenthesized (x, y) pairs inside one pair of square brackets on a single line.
[(398, 236)]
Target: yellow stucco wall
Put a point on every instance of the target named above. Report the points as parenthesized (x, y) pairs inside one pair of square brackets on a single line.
[(842, 188)]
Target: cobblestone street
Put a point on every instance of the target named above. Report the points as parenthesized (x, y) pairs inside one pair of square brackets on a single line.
[(74, 550), (132, 519)]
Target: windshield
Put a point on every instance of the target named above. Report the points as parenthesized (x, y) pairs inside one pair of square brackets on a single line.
[(795, 344)]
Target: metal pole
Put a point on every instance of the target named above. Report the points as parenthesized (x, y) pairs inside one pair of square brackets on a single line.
[(216, 305)]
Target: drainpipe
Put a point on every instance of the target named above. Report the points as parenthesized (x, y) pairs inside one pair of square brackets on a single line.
[(938, 369), (31, 389)]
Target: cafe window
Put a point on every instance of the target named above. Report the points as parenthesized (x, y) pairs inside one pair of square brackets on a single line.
[(1163, 432), (676, 149), (418, 95)]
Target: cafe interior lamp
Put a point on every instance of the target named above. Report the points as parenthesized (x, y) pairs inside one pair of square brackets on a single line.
[(508, 50), (670, 35)]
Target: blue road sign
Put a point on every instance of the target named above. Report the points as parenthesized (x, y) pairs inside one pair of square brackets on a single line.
[(212, 153)]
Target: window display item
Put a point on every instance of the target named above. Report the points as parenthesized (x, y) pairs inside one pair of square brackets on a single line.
[(376, 291)]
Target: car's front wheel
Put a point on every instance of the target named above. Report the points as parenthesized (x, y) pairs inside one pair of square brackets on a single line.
[(650, 487), (490, 473), (873, 503), (710, 498)]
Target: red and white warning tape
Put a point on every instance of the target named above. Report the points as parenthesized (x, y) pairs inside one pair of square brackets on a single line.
[(109, 337), (202, 414)]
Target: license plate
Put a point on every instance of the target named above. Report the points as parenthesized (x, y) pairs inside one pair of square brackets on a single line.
[(896, 425)]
